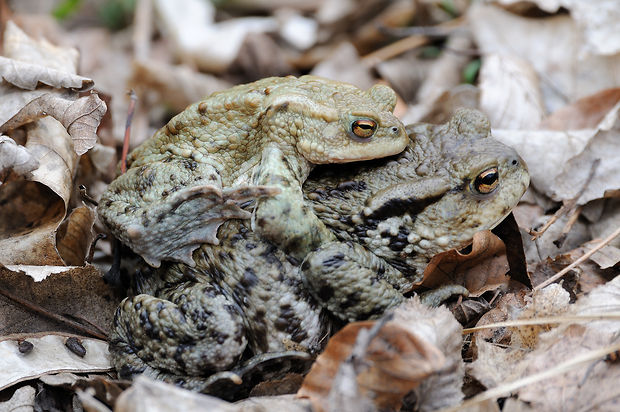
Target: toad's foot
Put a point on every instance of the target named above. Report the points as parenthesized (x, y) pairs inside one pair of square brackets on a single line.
[(436, 297), (351, 282), (165, 210), (196, 332), (285, 219)]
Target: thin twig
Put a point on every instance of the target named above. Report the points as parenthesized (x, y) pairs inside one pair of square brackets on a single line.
[(54, 316), (510, 387), (406, 44), (567, 204), (130, 111), (546, 321), (86, 197), (572, 218), (579, 261)]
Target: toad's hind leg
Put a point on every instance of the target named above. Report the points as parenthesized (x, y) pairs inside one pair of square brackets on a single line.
[(198, 331), (167, 209)]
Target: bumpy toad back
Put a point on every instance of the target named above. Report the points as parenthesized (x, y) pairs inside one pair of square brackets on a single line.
[(193, 174)]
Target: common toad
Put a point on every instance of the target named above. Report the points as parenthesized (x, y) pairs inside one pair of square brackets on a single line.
[(254, 141), (246, 296)]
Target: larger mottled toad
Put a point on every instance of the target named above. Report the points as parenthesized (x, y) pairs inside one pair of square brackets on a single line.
[(246, 297), (254, 140)]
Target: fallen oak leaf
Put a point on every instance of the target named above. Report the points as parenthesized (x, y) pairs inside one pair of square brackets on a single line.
[(395, 361), (27, 75), (80, 117)]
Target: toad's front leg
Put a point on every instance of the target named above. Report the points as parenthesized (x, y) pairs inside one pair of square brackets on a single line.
[(350, 282), (167, 209), (285, 219)]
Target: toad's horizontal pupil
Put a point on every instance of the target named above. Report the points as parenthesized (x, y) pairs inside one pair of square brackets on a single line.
[(488, 178)]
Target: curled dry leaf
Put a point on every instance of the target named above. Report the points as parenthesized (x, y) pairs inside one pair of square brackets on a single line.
[(483, 268), (16, 158), (585, 113), (33, 209), (80, 117), (75, 236), (395, 362), (49, 355), (417, 343), (27, 76)]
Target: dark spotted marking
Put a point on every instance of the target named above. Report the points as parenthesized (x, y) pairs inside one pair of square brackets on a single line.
[(334, 261), (398, 207)]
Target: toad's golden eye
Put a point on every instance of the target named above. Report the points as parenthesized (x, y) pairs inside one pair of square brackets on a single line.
[(363, 128), (487, 181)]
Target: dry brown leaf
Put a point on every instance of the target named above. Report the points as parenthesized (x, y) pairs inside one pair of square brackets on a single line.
[(420, 343), (509, 92), (75, 236), (392, 346), (482, 269), (48, 355), (78, 292), (15, 158), (80, 117), (585, 113)]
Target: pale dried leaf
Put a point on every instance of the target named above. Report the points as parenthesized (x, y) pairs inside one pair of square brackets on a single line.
[(21, 401), (603, 146), (78, 292), (19, 46), (552, 46), (27, 76), (299, 31), (80, 117), (190, 25), (14, 99), (344, 64), (590, 383), (177, 86), (147, 395), (509, 92), (545, 152), (49, 355), (606, 257), (15, 157), (598, 19)]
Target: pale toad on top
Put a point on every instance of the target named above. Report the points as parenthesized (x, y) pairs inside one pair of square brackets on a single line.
[(246, 297), (254, 140)]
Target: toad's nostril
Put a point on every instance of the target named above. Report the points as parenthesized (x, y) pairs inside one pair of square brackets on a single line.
[(395, 129), (515, 162)]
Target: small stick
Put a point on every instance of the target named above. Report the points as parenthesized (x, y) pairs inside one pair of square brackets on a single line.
[(568, 204), (130, 111), (406, 44), (568, 226), (579, 261), (45, 313)]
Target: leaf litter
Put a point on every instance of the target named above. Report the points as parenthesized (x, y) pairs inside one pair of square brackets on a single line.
[(548, 85)]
